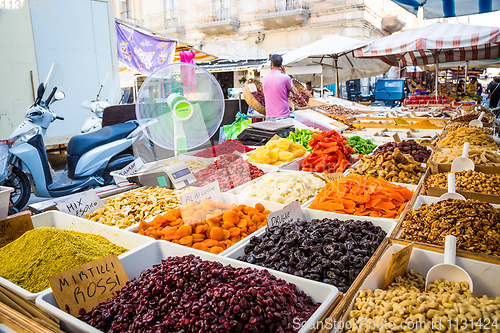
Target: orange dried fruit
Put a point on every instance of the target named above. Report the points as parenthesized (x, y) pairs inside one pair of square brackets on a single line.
[(231, 216), (216, 249), (227, 225), (243, 223), (198, 237), (227, 234), (234, 231), (186, 240), (200, 246), (200, 229), (185, 230), (210, 242), (259, 207), (236, 239)]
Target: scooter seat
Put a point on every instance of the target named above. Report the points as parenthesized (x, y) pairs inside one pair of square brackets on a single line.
[(80, 144)]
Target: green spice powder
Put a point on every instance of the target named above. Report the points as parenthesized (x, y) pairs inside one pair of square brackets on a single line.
[(42, 252)]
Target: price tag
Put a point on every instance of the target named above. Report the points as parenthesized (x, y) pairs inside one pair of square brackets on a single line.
[(275, 137), (289, 213), (252, 88), (330, 177), (397, 265), (396, 137), (14, 227), (86, 286), (132, 167), (210, 191), (81, 204)]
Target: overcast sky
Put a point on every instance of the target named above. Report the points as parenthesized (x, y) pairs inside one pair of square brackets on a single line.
[(488, 19)]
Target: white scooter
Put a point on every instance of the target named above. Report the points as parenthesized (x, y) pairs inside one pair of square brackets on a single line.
[(90, 157), (94, 122)]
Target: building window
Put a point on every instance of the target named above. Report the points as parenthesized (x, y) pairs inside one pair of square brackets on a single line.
[(126, 9), (221, 10)]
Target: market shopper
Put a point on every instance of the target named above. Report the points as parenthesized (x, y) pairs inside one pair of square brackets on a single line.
[(493, 91), (310, 88), (472, 86), (276, 85), (461, 86)]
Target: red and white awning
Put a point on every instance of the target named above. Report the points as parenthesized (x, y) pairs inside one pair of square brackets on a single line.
[(417, 47)]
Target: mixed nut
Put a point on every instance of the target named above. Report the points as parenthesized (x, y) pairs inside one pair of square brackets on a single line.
[(418, 152), (472, 181), (475, 224), (328, 251), (405, 305), (392, 166)]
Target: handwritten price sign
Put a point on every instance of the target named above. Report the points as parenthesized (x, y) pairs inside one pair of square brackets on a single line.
[(81, 204)]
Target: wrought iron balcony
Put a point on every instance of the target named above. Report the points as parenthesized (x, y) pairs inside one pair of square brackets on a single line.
[(283, 13)]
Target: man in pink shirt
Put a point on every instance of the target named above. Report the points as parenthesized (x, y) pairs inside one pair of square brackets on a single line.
[(276, 86)]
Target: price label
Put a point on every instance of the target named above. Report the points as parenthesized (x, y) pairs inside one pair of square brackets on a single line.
[(132, 167), (398, 264), (81, 204), (289, 213), (330, 177), (210, 191), (86, 286), (14, 227), (396, 137), (275, 137)]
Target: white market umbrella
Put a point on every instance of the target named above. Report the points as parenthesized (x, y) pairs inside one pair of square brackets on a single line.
[(333, 60), (447, 8)]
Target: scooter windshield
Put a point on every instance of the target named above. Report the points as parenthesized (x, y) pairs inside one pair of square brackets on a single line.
[(110, 91), (55, 78)]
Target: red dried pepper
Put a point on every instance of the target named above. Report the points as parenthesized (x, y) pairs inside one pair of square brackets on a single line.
[(330, 153)]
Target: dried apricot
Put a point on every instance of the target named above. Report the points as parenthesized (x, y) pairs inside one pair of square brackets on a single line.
[(243, 223), (198, 237), (186, 240), (234, 231), (259, 207), (185, 230), (216, 250), (227, 225), (200, 229), (200, 246), (217, 234), (210, 242), (227, 234), (231, 216)]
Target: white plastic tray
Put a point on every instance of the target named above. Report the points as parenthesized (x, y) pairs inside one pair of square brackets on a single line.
[(309, 214), (484, 275), (229, 199), (153, 253), (65, 221), (4, 201)]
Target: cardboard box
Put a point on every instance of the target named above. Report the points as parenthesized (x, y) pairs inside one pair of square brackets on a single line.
[(439, 191)]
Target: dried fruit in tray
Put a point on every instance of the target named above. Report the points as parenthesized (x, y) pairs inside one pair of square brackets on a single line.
[(230, 170), (226, 147), (330, 153), (187, 294), (132, 207), (472, 181), (284, 187), (277, 152), (489, 117), (474, 135), (363, 196), (418, 152), (336, 110), (209, 226), (478, 156), (259, 96), (392, 166), (302, 136), (328, 251), (475, 224), (360, 145)]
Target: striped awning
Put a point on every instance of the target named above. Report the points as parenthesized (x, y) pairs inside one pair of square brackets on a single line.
[(438, 42), (200, 56), (449, 8)]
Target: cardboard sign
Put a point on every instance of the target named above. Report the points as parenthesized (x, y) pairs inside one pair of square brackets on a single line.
[(88, 285), (210, 191), (397, 265), (275, 137), (330, 177), (132, 167), (396, 137), (289, 213), (14, 227), (81, 204)]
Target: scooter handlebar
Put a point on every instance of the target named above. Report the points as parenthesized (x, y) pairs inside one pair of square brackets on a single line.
[(59, 117)]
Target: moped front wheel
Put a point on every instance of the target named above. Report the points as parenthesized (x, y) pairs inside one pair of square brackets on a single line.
[(22, 189)]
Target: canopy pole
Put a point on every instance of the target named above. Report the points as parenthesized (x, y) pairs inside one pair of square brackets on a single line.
[(437, 73), (458, 78), (337, 88), (466, 74), (322, 93)]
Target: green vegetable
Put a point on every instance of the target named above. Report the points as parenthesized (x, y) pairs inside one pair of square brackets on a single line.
[(302, 136), (360, 145)]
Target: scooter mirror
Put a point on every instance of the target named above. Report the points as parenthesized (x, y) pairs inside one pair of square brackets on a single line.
[(39, 92), (59, 95)]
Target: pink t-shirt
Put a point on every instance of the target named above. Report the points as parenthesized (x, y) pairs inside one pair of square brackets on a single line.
[(275, 85)]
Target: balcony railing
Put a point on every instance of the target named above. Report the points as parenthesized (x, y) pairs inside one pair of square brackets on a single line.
[(270, 6), (217, 10)]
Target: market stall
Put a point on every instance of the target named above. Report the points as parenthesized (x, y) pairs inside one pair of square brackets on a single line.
[(305, 228)]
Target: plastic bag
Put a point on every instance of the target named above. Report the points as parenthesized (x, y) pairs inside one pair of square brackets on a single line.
[(232, 131)]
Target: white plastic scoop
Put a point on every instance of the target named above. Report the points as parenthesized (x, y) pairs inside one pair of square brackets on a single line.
[(477, 122), (451, 190), (462, 112), (448, 270), (463, 162)]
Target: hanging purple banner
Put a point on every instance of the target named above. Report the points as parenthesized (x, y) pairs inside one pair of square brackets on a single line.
[(143, 52)]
